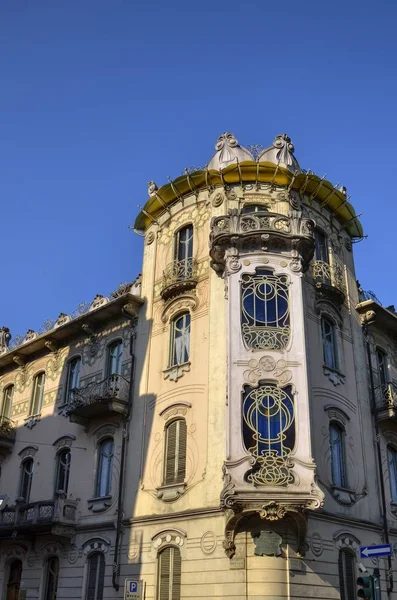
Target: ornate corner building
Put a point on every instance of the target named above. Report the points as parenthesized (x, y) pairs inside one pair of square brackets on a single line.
[(223, 427)]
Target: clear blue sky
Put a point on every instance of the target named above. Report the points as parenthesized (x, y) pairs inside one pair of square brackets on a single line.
[(99, 97)]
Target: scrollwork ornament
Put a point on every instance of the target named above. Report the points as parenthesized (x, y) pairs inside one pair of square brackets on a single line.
[(150, 238), (296, 265), (217, 200), (272, 512), (232, 261)]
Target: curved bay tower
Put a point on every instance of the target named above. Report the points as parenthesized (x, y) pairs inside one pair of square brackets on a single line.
[(231, 429)]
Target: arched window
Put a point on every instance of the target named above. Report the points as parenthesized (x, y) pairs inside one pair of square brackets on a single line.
[(95, 576), (175, 452), (14, 580), (265, 318), (381, 359), (115, 357), (38, 394), (183, 252), (337, 455), (26, 479), (347, 575), (104, 470), (169, 574), (7, 402), (51, 578), (73, 377), (392, 462), (62, 472), (180, 340), (321, 246), (329, 343)]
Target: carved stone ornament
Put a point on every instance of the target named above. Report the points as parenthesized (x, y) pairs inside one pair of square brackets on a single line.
[(29, 336), (335, 377), (169, 536), (169, 493), (217, 200), (368, 318), (150, 238), (152, 188), (267, 366), (267, 543), (228, 151), (281, 153), (98, 301), (232, 261), (31, 421), (5, 337), (62, 320), (272, 512), (176, 371)]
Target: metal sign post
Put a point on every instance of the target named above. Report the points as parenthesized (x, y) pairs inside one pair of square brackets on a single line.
[(133, 589)]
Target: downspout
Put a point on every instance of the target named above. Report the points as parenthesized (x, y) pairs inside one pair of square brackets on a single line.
[(379, 459), (124, 445)]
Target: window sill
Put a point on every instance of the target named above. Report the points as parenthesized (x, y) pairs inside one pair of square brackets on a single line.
[(334, 375), (99, 504), (343, 495), (171, 492), (31, 421), (176, 371)]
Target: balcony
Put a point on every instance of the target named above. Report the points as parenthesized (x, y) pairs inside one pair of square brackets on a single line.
[(179, 276), (7, 433), (99, 399), (386, 402), (56, 517), (259, 231), (329, 279)]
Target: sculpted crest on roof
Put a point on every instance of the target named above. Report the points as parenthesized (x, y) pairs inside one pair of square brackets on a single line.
[(228, 151)]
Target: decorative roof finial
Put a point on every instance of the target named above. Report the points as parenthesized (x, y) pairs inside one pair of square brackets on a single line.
[(152, 188), (5, 337), (228, 151), (281, 153)]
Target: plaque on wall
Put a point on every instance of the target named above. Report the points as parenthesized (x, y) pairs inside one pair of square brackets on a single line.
[(267, 543)]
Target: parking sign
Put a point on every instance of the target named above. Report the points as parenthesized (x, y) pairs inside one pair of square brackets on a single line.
[(133, 589)]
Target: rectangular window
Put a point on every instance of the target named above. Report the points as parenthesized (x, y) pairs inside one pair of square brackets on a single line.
[(175, 452), (329, 344), (104, 469), (7, 402), (38, 394), (347, 575), (180, 340), (321, 246), (169, 574), (73, 377), (392, 461), (337, 451), (95, 577), (26, 479)]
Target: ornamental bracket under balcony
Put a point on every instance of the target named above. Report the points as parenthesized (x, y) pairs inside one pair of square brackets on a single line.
[(261, 231), (98, 399), (178, 277)]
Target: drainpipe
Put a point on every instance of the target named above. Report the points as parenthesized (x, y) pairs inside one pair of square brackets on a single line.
[(124, 445), (379, 458)]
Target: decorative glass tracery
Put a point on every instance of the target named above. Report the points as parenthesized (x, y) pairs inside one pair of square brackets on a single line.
[(269, 433), (265, 316)]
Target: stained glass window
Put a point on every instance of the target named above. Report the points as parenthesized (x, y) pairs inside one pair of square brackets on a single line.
[(269, 432), (265, 318)]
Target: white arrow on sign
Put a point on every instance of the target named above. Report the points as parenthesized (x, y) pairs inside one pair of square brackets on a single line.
[(376, 550)]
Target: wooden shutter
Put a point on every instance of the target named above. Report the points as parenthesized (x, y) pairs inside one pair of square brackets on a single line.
[(169, 578), (181, 452), (175, 452)]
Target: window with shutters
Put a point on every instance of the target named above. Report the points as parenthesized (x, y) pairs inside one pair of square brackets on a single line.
[(26, 479), (38, 394), (175, 452), (62, 473), (114, 358), (347, 575), (104, 469), (169, 574), (51, 578), (95, 576), (180, 340), (7, 402)]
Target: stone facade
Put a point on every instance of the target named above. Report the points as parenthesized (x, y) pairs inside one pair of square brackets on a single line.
[(251, 449)]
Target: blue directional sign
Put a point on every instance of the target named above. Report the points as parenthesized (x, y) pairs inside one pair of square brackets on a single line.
[(375, 551)]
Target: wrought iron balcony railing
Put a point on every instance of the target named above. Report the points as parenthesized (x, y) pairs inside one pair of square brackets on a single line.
[(99, 399), (53, 516), (386, 401), (329, 277), (178, 276), (7, 432)]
